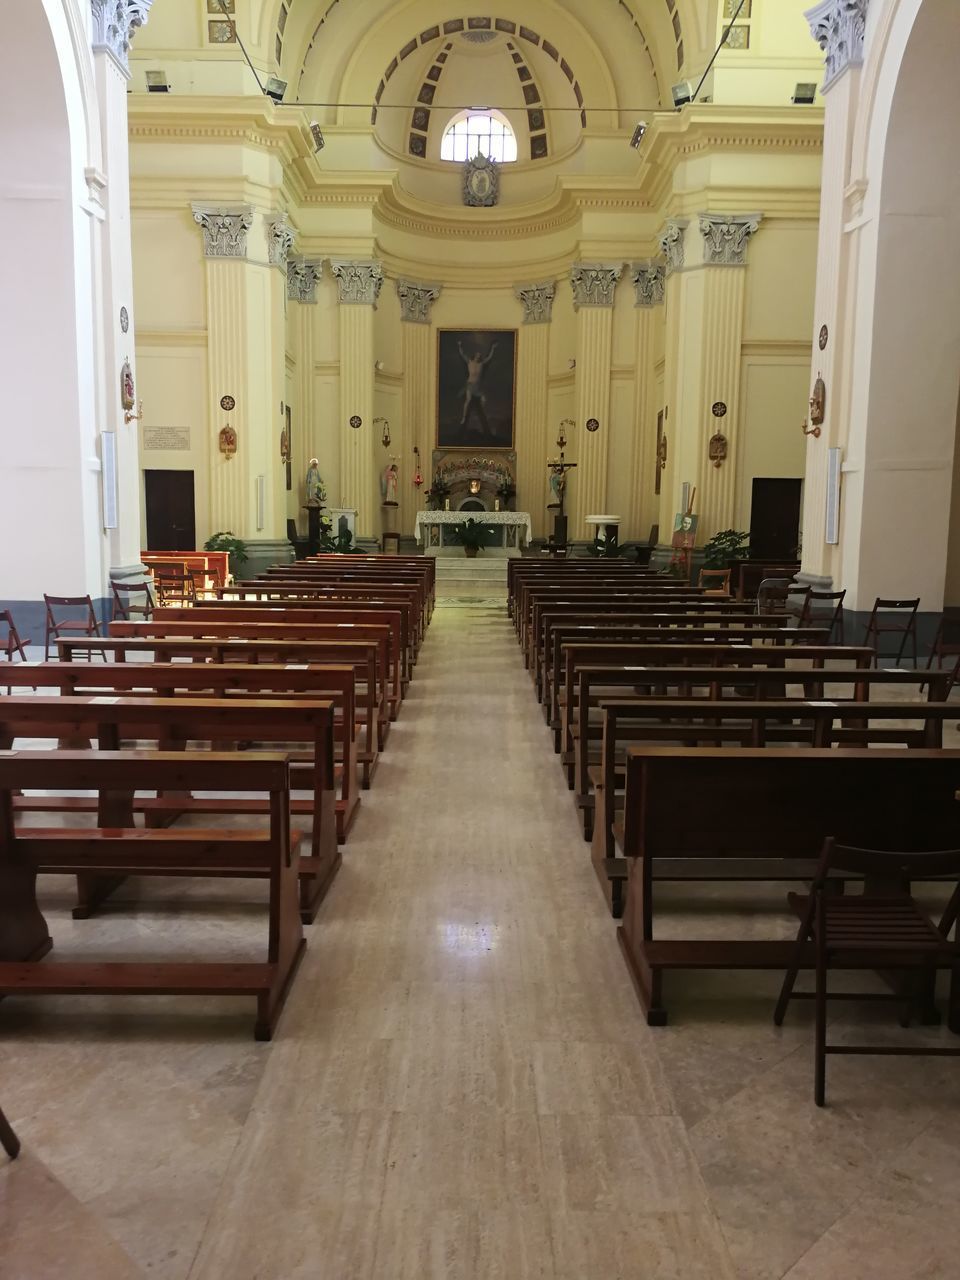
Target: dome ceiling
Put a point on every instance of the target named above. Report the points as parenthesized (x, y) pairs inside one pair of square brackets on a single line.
[(609, 59)]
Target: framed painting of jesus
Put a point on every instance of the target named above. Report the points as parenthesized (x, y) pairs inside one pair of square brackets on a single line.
[(476, 388)]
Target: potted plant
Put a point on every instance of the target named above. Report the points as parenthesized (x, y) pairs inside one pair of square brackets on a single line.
[(236, 547), (472, 536), (723, 547)]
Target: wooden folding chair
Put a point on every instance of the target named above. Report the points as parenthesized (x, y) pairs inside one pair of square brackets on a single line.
[(882, 928), (86, 625), (832, 614), (174, 586), (946, 643), (131, 598), (907, 627), (8, 1139)]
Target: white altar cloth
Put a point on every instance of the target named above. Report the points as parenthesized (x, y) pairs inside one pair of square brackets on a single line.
[(520, 519)]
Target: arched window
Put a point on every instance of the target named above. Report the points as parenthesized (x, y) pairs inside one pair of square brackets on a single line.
[(473, 132)]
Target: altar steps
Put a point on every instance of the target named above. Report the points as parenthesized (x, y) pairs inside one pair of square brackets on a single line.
[(459, 577)]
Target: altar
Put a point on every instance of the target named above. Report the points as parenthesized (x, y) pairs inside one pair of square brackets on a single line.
[(510, 531)]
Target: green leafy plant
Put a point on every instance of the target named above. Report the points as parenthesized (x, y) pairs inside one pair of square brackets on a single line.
[(472, 536), (236, 548), (729, 544)]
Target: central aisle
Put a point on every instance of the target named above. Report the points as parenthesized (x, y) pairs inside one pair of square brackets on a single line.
[(462, 1085)]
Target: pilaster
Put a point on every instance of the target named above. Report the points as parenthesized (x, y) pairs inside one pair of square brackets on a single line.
[(114, 25), (537, 301), (417, 410), (532, 475), (416, 300), (649, 281), (245, 346), (594, 289), (838, 27), (359, 285)]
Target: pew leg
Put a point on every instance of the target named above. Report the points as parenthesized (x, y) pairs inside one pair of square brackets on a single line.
[(92, 890), (270, 1002), (8, 1139), (23, 929), (647, 980)]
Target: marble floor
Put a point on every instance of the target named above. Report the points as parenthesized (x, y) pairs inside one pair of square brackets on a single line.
[(462, 1086)]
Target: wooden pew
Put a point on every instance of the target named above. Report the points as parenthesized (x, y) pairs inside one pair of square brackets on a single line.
[(280, 592), (111, 850), (362, 655), (599, 686), (530, 599), (705, 614), (746, 811), (349, 590), (277, 605), (173, 723), (185, 679), (698, 723), (289, 625)]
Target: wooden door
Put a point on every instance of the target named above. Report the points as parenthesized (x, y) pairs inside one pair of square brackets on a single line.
[(171, 524), (775, 519)]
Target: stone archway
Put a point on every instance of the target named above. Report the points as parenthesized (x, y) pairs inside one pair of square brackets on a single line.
[(49, 492), (888, 299)]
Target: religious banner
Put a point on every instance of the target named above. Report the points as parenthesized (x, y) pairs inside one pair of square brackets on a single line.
[(476, 388)]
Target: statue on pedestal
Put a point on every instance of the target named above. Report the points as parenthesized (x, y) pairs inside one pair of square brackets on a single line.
[(314, 485), (389, 480)]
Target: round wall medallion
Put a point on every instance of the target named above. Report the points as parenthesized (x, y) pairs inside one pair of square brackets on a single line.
[(824, 336), (593, 424), (124, 320), (719, 409), (228, 403), (356, 421)]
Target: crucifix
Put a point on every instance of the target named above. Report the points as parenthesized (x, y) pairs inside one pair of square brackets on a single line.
[(558, 468)]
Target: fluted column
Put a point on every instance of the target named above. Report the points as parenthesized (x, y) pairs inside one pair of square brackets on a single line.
[(533, 481), (417, 408), (649, 283), (594, 287), (359, 285)]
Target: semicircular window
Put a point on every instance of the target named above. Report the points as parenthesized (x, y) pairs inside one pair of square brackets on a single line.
[(476, 132)]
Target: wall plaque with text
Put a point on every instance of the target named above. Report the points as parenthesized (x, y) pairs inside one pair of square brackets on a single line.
[(166, 438)]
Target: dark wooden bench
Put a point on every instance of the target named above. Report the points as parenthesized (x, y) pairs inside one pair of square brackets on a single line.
[(204, 679), (110, 850), (598, 685), (532, 602), (689, 809), (173, 723), (362, 655), (698, 723)]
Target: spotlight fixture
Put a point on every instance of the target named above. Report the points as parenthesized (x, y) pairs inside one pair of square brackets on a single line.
[(317, 132), (157, 82), (275, 88), (681, 94), (804, 95), (638, 133), (571, 364)]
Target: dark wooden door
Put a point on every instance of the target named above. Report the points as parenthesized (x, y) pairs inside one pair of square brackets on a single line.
[(171, 525), (775, 519)]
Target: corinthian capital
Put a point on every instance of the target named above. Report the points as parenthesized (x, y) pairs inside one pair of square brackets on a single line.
[(416, 300), (279, 241), (670, 241), (838, 27), (594, 283), (537, 300), (224, 230), (358, 282), (725, 237), (302, 279), (114, 25), (649, 280)]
